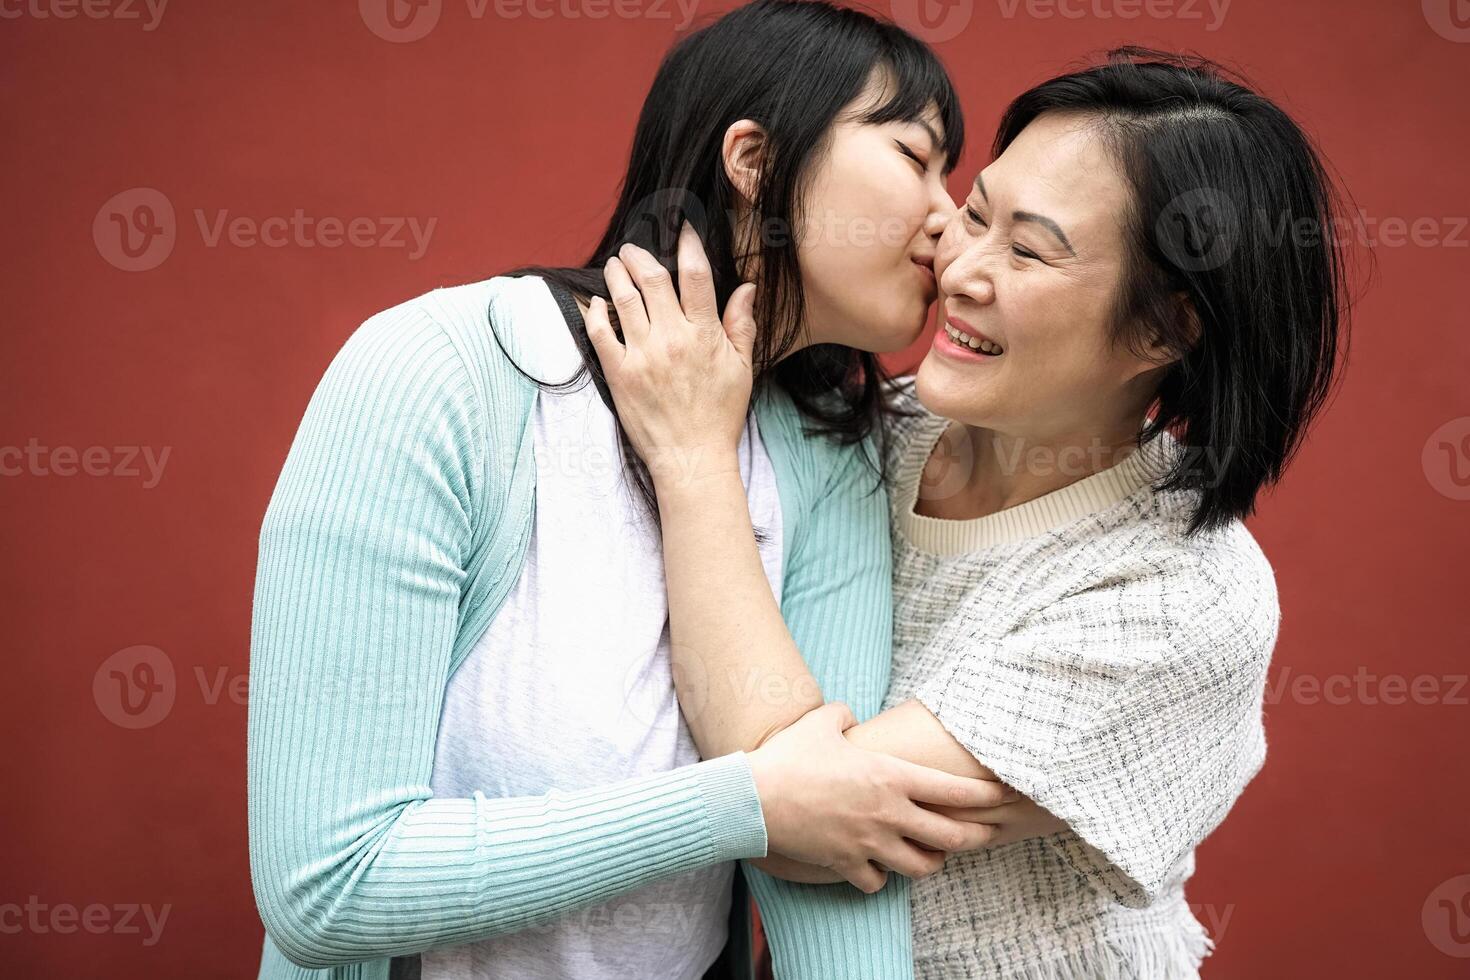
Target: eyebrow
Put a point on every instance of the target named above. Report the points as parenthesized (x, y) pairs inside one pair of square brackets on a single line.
[(934, 140), (1039, 219)]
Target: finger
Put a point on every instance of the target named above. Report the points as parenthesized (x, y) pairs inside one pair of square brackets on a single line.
[(909, 860), (696, 280), (866, 876), (740, 320), (836, 713), (942, 832), (1004, 814), (631, 314), (610, 352), (654, 283), (933, 786)]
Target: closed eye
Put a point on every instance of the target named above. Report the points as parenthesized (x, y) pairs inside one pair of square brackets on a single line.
[(908, 152), (1021, 251)]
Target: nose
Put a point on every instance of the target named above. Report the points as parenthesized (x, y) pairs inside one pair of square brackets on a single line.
[(967, 274), (941, 209)]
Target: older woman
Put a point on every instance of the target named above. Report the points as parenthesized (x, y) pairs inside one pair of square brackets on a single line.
[(1127, 357)]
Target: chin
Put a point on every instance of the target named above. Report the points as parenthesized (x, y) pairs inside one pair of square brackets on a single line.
[(883, 338), (945, 392), (902, 340)]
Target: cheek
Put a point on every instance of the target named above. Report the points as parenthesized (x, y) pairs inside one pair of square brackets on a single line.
[(950, 246), (1066, 354), (873, 210)]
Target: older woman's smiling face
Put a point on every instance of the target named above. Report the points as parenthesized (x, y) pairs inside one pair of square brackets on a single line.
[(1030, 269)]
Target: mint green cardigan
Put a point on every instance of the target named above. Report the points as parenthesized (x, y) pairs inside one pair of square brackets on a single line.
[(398, 525)]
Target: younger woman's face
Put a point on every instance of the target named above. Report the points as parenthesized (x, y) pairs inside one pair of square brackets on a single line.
[(874, 207)]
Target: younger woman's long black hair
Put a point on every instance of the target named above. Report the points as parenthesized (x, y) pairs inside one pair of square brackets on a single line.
[(791, 66)]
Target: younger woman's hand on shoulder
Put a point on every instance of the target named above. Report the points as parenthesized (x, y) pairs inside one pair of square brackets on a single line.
[(681, 376)]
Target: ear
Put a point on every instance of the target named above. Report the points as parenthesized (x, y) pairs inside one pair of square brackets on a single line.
[(743, 151), (1186, 326)]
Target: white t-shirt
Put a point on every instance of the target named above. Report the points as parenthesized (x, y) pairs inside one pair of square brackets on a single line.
[(571, 685)]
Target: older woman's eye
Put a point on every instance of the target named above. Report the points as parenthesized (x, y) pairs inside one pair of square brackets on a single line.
[(1024, 253), (974, 215)]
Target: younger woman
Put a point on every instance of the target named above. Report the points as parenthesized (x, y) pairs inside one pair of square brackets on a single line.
[(465, 754)]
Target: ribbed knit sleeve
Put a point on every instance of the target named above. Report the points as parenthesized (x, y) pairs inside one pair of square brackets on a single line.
[(383, 510), (837, 600)]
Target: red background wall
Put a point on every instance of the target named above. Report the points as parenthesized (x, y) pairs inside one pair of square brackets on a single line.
[(509, 131)]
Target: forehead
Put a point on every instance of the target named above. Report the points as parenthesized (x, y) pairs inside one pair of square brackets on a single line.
[(880, 88), (1060, 166)]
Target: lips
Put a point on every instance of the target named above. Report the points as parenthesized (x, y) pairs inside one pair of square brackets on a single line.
[(967, 336)]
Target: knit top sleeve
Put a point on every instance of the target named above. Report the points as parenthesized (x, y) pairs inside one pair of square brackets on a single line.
[(1131, 706)]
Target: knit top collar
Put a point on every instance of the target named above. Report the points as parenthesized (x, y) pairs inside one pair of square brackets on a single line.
[(1048, 512)]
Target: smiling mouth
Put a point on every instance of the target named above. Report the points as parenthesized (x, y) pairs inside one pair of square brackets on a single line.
[(975, 344)]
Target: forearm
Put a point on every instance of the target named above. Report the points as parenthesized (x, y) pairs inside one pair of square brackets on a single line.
[(738, 673), (911, 732), (340, 884)]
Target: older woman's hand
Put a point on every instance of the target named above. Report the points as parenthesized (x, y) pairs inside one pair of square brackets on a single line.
[(681, 376)]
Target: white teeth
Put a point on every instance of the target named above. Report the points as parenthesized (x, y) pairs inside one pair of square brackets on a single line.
[(966, 340)]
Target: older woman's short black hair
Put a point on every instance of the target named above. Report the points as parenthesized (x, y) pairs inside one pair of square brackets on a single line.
[(1233, 210)]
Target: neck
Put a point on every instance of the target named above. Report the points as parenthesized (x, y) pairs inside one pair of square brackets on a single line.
[(1008, 469)]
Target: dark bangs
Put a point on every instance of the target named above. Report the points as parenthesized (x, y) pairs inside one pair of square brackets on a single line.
[(917, 81)]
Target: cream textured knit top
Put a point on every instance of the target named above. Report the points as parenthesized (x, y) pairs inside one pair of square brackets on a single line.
[(1109, 667)]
